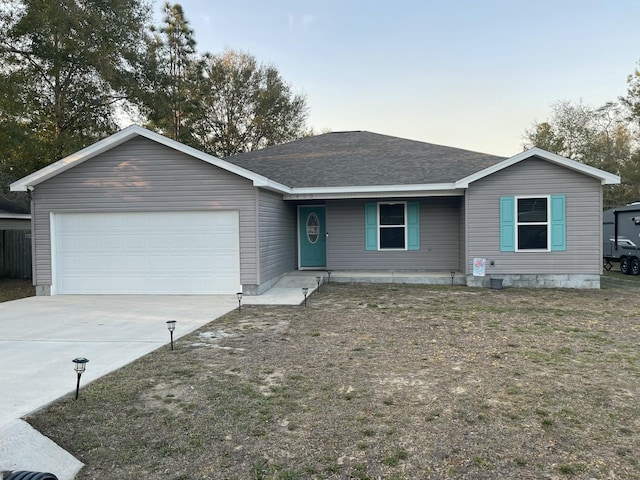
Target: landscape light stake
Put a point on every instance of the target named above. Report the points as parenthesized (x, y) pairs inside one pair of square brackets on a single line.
[(318, 282), (80, 366), (305, 290), (171, 325), (328, 276), (453, 274), (239, 295)]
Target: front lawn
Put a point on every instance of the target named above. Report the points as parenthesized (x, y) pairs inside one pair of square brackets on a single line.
[(377, 381)]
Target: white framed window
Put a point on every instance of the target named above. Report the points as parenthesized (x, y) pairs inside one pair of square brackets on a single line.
[(392, 226), (532, 223)]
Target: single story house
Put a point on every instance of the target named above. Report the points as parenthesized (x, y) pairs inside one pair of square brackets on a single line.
[(140, 213)]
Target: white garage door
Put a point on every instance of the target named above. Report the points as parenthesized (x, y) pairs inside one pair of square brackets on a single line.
[(146, 252)]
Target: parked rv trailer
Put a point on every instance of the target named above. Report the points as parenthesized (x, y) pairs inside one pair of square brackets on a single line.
[(621, 238)]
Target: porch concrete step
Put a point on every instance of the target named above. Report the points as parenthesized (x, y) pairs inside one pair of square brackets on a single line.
[(418, 278)]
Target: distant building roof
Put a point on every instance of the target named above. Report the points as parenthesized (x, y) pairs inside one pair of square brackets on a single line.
[(12, 207)]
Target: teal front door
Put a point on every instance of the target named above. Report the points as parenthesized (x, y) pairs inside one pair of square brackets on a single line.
[(312, 231)]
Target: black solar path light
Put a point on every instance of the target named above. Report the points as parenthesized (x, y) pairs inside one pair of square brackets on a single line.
[(328, 276), (305, 291), (318, 280), (239, 295), (453, 274), (171, 325), (80, 367)]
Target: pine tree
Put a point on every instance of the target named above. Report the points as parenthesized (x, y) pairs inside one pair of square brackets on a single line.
[(64, 65)]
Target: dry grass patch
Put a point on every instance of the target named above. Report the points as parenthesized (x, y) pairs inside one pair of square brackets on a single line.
[(377, 381)]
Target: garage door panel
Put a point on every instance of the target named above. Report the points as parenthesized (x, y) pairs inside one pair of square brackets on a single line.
[(147, 252), (112, 241)]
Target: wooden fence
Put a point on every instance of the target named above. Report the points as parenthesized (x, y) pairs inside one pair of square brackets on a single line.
[(15, 254)]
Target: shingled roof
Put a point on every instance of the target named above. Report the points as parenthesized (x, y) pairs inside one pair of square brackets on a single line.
[(359, 158)]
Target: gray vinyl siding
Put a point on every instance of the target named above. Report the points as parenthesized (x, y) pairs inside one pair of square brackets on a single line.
[(534, 176), (439, 238), (141, 175), (277, 235)]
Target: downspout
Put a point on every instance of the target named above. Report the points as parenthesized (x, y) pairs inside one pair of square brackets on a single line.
[(30, 189), (258, 233)]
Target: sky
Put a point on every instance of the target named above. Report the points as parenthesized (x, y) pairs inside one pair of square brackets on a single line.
[(473, 74)]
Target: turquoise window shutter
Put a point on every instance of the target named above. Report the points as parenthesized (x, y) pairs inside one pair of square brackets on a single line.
[(507, 224), (413, 225), (558, 224), (371, 225)]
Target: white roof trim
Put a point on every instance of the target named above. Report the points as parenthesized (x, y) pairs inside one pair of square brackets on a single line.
[(367, 191), (16, 216), (379, 195), (126, 134), (425, 187), (605, 178)]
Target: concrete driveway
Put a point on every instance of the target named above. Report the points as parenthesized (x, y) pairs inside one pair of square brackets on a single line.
[(39, 338)]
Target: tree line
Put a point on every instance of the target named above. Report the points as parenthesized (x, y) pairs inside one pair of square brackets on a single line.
[(605, 137), (72, 71)]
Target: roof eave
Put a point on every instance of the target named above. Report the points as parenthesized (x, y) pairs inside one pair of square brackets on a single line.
[(264, 182), (126, 134), (605, 178), (370, 191), (74, 159), (16, 216)]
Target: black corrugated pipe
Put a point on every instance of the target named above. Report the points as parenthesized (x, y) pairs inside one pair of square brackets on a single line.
[(23, 475)]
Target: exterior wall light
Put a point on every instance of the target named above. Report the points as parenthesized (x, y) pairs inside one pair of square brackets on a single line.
[(80, 366), (171, 325)]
